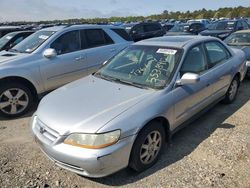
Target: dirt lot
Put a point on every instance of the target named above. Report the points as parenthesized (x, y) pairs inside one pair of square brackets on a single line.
[(213, 151)]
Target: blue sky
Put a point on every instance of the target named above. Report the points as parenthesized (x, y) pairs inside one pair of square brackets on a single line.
[(34, 10)]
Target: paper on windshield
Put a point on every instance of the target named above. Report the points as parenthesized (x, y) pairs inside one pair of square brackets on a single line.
[(44, 37), (8, 37), (166, 51)]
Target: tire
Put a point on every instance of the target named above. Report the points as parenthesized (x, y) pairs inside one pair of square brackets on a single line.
[(232, 91), (138, 160), (15, 100)]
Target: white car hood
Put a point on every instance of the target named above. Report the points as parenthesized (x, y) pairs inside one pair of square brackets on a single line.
[(87, 105)]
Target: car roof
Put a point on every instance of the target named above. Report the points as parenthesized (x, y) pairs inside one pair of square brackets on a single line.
[(9, 27), (18, 32), (84, 26), (243, 31), (173, 41)]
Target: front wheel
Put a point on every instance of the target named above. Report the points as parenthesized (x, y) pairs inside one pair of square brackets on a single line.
[(147, 147), (232, 91), (15, 100)]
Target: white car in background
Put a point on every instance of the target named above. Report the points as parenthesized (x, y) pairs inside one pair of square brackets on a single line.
[(51, 58)]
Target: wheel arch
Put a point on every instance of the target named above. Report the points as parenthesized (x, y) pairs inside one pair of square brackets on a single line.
[(23, 81), (163, 121)]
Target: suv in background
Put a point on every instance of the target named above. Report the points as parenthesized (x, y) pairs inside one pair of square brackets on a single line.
[(146, 30), (11, 39), (186, 29), (223, 29), (51, 58)]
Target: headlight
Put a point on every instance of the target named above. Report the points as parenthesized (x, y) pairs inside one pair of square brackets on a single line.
[(223, 35), (93, 141)]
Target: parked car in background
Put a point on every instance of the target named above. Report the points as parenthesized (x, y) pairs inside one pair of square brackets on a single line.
[(9, 40), (222, 29), (186, 29), (203, 21), (51, 58), (128, 26), (8, 29), (241, 40), (124, 114), (146, 30), (168, 26)]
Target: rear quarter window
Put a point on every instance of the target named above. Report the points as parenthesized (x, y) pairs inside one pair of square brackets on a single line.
[(123, 34)]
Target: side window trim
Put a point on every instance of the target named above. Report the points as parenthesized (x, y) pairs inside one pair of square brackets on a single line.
[(49, 45), (210, 66), (103, 33), (201, 46)]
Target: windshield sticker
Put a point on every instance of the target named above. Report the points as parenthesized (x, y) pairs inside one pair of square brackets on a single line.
[(166, 51), (28, 50), (230, 23), (8, 37), (44, 37)]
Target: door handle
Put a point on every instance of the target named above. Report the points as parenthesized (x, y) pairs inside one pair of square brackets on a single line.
[(79, 58)]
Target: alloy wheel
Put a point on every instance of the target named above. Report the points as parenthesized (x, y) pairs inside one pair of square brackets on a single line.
[(13, 101), (233, 89), (151, 147)]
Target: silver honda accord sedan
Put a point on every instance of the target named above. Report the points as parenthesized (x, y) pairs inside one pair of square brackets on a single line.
[(126, 112)]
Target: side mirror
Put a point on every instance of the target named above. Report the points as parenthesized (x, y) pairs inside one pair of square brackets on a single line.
[(188, 78), (49, 53)]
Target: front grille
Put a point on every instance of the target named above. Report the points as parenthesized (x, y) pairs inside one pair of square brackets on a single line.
[(46, 132)]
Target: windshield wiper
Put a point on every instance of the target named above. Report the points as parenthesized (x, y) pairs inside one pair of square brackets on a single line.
[(13, 50), (131, 84), (112, 79)]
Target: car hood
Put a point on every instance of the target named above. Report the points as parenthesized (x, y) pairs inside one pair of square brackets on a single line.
[(86, 105), (6, 56)]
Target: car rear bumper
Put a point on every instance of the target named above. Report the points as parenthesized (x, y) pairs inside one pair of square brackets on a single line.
[(87, 162)]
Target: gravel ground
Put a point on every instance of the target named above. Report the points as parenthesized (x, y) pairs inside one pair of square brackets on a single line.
[(213, 151)]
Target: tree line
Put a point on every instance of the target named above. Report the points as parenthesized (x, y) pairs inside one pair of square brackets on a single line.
[(228, 12)]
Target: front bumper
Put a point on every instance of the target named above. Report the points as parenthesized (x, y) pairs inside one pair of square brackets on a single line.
[(87, 162)]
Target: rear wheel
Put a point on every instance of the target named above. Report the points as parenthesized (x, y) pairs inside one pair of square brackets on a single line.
[(15, 100), (232, 91), (147, 147)]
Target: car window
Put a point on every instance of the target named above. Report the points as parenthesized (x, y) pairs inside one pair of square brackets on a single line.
[(216, 53), (239, 25), (123, 34), (194, 62), (245, 25), (66, 43), (151, 27), (139, 29), (238, 39), (149, 66), (96, 37), (19, 39), (33, 42)]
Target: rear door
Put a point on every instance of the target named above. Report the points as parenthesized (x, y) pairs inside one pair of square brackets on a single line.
[(69, 64), (98, 46), (192, 98), (219, 59)]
